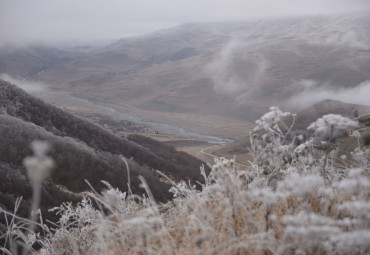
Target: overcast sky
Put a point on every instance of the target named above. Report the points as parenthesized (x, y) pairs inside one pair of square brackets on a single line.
[(83, 21)]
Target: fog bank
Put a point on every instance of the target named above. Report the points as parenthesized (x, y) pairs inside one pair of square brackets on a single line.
[(312, 93)]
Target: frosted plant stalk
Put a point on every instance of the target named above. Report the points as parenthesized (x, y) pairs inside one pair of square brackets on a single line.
[(38, 169)]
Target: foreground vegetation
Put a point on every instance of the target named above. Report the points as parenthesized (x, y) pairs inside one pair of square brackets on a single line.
[(294, 198)]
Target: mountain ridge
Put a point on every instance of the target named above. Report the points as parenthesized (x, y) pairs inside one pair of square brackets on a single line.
[(226, 69), (81, 150)]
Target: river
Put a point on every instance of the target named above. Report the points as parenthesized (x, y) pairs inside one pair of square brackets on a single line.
[(105, 110)]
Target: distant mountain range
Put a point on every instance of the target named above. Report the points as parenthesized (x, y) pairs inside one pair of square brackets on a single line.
[(81, 150), (230, 69)]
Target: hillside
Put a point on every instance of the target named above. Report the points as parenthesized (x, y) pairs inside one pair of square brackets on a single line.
[(292, 199), (311, 113), (81, 150), (232, 70), (221, 60), (302, 120), (30, 61)]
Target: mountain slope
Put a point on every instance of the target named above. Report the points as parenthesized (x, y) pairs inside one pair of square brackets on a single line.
[(313, 112), (29, 61), (16, 102), (81, 150), (235, 70), (204, 67), (303, 119)]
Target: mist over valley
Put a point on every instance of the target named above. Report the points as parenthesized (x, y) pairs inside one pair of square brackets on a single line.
[(223, 71), (254, 126)]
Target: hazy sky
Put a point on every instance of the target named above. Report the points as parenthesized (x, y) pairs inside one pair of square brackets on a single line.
[(81, 21)]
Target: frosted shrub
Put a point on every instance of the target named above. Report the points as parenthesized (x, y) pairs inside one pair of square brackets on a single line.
[(76, 228), (269, 147), (270, 120), (280, 204), (332, 126), (362, 157)]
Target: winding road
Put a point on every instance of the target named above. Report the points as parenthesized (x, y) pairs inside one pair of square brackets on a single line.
[(203, 151)]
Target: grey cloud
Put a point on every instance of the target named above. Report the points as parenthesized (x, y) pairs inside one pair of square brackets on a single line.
[(28, 86), (313, 92), (235, 71), (24, 21), (220, 69)]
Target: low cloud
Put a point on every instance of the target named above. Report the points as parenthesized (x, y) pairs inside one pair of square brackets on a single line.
[(313, 92), (28, 86), (220, 69), (235, 70), (86, 21), (350, 38)]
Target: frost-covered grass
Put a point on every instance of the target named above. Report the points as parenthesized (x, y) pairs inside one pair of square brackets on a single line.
[(291, 200)]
